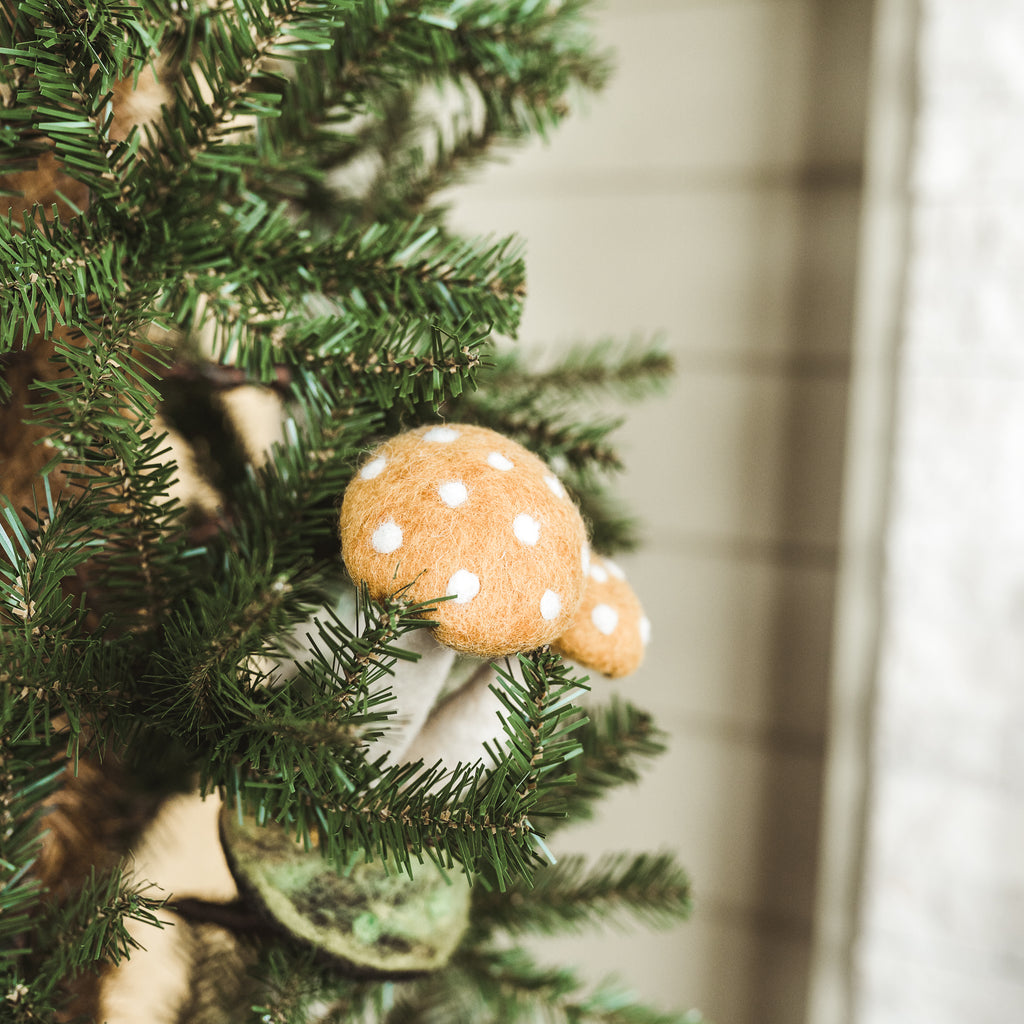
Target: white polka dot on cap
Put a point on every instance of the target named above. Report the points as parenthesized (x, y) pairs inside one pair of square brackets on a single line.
[(555, 485), (550, 605), (441, 435), (463, 586), (498, 461), (387, 537), (605, 619), (373, 469), (526, 529), (453, 493)]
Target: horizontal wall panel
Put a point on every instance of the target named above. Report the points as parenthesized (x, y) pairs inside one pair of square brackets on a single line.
[(728, 456), (739, 643), (741, 818), (742, 278), (725, 967), (699, 88)]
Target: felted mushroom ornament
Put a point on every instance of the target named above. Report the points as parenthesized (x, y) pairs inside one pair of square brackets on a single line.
[(609, 631), (465, 513)]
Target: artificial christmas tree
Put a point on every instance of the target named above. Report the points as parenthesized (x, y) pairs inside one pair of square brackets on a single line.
[(206, 197)]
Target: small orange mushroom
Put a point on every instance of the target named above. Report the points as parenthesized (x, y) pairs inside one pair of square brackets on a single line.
[(463, 512), (610, 630)]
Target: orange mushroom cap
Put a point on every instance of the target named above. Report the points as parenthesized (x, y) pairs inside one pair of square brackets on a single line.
[(465, 512), (610, 630)]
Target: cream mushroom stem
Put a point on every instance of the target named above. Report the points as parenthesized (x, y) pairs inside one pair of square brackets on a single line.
[(469, 722), (462, 725), (414, 684)]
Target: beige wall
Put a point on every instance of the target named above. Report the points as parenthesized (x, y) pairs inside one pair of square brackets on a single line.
[(713, 192)]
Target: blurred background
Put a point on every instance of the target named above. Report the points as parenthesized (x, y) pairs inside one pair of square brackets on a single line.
[(818, 202)]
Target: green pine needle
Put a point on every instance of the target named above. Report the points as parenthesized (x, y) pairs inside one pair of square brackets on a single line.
[(572, 896), (596, 370), (614, 741), (509, 987)]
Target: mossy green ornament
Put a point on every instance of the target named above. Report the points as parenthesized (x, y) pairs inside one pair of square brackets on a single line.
[(377, 920)]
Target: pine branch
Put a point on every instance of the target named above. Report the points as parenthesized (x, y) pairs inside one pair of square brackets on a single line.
[(47, 939), (523, 56), (593, 371), (510, 988), (409, 812), (578, 446), (196, 684), (27, 779), (516, 399), (359, 656), (422, 270), (109, 465), (262, 573), (101, 401), (31, 599), (220, 52), (613, 1004), (62, 64), (314, 727), (90, 38), (518, 60), (249, 263), (294, 984), (52, 274), (52, 665), (282, 515), (513, 39), (539, 722), (613, 740), (569, 897), (409, 371), (409, 189), (91, 928), (71, 938)]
